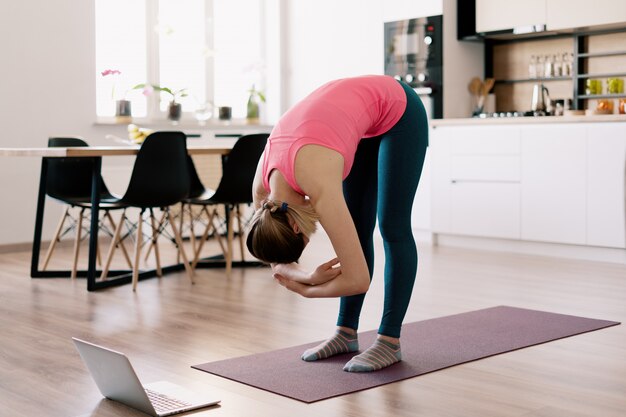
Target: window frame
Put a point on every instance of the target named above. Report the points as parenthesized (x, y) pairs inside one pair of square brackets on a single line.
[(154, 114), (154, 111)]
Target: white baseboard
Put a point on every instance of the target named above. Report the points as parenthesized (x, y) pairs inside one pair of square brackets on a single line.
[(590, 253), (28, 246)]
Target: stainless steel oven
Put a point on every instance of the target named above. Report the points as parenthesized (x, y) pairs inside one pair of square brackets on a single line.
[(414, 54)]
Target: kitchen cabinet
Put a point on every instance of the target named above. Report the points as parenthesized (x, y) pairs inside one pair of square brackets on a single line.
[(568, 14), (439, 148), (554, 184), (606, 185), (547, 182), (494, 15), (476, 181)]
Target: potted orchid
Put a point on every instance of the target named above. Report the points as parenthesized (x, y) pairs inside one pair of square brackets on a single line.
[(122, 105), (174, 109)]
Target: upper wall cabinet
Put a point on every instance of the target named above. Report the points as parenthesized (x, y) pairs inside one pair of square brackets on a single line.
[(494, 15), (568, 14)]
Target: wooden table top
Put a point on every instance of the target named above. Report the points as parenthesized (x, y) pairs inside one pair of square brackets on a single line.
[(222, 147)]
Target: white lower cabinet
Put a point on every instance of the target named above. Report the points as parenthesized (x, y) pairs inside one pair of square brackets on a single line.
[(475, 181), (559, 183), (554, 184), (606, 185), (489, 209)]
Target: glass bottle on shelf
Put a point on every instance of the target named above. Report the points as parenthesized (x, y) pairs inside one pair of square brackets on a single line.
[(548, 69), (558, 66), (540, 66), (570, 64), (532, 67), (564, 66)]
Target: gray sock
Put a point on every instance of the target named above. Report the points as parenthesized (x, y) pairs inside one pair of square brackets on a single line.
[(341, 342), (380, 355)]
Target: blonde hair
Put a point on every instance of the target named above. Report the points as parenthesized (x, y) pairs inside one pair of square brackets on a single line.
[(271, 237)]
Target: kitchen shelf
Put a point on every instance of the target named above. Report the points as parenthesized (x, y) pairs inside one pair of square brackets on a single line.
[(582, 60), (584, 63), (615, 74), (601, 54), (598, 96), (535, 80)]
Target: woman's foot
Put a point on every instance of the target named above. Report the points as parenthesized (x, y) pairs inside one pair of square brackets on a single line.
[(381, 354), (343, 341)]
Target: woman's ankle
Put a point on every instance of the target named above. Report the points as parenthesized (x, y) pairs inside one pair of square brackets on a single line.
[(347, 330), (394, 340)]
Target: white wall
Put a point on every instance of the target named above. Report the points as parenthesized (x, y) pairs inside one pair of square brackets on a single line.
[(48, 73), (332, 39), (329, 39), (47, 81), (462, 61), (48, 65)]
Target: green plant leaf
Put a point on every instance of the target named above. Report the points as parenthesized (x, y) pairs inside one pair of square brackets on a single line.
[(165, 89)]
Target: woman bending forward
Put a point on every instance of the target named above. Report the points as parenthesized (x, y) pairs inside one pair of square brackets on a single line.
[(351, 150)]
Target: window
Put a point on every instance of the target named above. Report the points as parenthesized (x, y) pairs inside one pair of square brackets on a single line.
[(210, 48)]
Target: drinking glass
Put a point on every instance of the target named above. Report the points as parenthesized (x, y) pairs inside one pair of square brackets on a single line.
[(203, 112)]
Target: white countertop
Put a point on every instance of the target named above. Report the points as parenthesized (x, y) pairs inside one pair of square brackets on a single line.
[(474, 121)]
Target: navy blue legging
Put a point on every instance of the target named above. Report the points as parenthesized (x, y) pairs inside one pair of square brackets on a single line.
[(384, 179)]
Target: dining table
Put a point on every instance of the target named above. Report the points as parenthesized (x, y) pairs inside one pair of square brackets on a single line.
[(220, 147)]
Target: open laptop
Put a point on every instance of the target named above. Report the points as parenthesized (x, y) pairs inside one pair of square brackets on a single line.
[(117, 381)]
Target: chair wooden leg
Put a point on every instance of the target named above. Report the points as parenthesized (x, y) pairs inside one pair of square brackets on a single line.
[(149, 251), (179, 242), (79, 230), (216, 232), (55, 239), (98, 256), (240, 230), (204, 237), (180, 226), (192, 229), (210, 226), (229, 241), (138, 243), (121, 244), (155, 236), (114, 242)]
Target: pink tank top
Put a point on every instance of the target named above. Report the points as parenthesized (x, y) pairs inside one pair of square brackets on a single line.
[(337, 115)]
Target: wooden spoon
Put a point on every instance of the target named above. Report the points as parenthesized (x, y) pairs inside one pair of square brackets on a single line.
[(487, 86), (475, 86)]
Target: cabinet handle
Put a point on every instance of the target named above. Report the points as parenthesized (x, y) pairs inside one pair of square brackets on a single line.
[(484, 181)]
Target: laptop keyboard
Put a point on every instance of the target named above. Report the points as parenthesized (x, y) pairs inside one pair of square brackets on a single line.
[(162, 402)]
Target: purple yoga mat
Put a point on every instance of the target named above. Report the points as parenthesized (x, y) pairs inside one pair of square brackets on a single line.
[(427, 346)]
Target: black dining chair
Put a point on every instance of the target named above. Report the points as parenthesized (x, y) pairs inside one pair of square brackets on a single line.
[(69, 181), (197, 190), (234, 189), (160, 179)]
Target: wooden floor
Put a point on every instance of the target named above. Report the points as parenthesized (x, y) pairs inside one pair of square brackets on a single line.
[(169, 325)]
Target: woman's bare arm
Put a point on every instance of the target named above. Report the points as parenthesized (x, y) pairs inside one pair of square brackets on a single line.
[(259, 193), (319, 172), (294, 272)]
